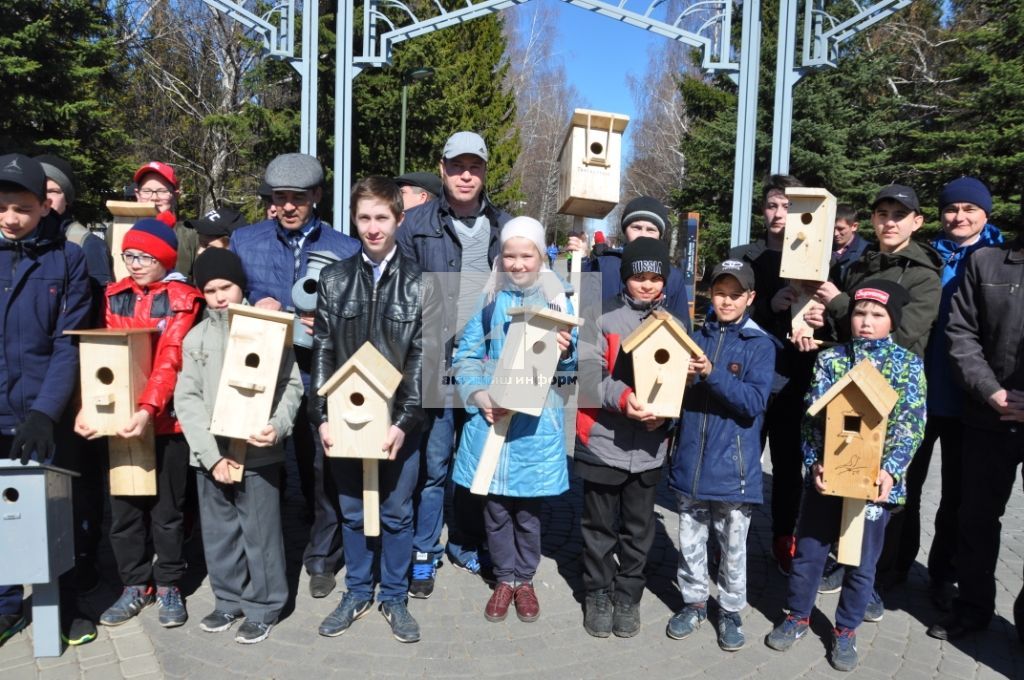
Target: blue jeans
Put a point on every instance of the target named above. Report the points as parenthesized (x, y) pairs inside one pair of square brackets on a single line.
[(817, 529), (397, 483), (438, 439)]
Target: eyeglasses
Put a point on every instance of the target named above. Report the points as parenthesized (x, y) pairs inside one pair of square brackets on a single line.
[(153, 193), (142, 259)]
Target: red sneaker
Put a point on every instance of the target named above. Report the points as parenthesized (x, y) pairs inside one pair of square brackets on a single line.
[(527, 607), (497, 607), (783, 550)]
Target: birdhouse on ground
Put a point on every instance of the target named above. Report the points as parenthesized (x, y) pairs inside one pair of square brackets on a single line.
[(126, 214), (114, 365), (528, 359), (590, 163), (857, 410), (359, 404), (661, 352), (810, 224)]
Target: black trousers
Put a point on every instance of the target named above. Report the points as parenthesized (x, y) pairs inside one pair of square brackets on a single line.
[(140, 521), (322, 554), (618, 531), (782, 428), (988, 480)]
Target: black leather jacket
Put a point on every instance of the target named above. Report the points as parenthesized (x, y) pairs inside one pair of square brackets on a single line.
[(351, 310)]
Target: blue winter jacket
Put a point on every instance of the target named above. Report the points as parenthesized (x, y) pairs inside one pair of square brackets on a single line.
[(533, 460), (270, 263), (676, 303), (840, 263), (718, 457), (945, 397), (44, 291)]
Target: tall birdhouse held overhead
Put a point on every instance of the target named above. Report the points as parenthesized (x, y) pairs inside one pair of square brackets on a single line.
[(590, 163), (528, 359), (661, 352), (257, 339), (810, 224), (126, 213), (359, 404), (856, 412)]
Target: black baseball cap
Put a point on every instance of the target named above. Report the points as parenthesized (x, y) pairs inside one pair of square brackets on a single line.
[(25, 172), (738, 269), (217, 222), (903, 195), (425, 180)]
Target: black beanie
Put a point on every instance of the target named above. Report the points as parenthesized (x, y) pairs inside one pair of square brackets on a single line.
[(218, 263), (889, 294), (645, 209), (644, 255)]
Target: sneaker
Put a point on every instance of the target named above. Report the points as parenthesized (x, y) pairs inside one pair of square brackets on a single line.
[(471, 565), (424, 570), (497, 607), (875, 609), (251, 632), (626, 621), (218, 621), (11, 625), (832, 581), (783, 550), (784, 635), (132, 601), (403, 625), (686, 620), (527, 606), (77, 630), (171, 606), (597, 614), (730, 631), (348, 610), (843, 655)]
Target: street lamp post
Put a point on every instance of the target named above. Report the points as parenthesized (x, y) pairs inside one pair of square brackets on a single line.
[(409, 76)]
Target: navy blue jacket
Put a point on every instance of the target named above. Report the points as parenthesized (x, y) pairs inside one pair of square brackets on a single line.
[(676, 302), (427, 235), (840, 263), (44, 291), (270, 263), (718, 457)]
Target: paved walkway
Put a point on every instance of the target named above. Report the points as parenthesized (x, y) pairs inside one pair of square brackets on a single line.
[(458, 642)]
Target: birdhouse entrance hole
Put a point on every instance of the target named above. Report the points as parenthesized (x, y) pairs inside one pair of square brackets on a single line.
[(105, 375), (851, 424), (661, 356), (309, 285), (596, 148), (357, 399), (806, 218), (538, 347), (252, 360), (11, 495)]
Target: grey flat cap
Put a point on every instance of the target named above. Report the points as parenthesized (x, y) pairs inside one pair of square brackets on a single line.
[(423, 180), (294, 171), (465, 142)]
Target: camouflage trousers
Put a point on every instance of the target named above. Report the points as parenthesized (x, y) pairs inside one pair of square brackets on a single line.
[(730, 521)]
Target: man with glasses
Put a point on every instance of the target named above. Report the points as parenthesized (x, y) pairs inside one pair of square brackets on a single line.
[(157, 183), (275, 254)]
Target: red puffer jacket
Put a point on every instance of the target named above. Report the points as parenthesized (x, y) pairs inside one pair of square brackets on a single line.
[(172, 307)]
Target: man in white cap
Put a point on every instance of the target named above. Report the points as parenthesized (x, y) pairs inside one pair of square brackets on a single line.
[(459, 234)]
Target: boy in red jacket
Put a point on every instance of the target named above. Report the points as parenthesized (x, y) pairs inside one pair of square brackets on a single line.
[(153, 295)]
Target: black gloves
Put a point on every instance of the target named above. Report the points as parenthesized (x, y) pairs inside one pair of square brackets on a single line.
[(33, 435)]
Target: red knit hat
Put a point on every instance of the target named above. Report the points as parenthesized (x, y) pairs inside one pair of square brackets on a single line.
[(155, 238)]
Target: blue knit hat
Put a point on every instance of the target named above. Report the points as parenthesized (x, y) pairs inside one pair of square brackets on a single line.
[(966, 190)]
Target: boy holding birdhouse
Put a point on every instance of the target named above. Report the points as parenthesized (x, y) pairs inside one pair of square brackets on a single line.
[(716, 468), (620, 453), (875, 312), (376, 296), (153, 295), (242, 536)]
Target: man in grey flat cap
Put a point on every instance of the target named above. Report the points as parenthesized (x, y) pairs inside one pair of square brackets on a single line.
[(418, 188), (275, 254)]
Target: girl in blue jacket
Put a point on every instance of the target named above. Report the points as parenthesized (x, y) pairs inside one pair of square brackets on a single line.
[(533, 459), (716, 469)]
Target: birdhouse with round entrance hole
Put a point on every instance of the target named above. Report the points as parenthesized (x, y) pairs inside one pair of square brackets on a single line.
[(661, 351), (590, 163)]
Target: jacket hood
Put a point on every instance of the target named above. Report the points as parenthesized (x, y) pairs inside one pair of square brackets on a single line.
[(46, 235), (920, 254)]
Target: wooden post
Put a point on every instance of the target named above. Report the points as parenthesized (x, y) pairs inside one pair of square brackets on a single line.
[(490, 455), (371, 497), (125, 213), (133, 465), (576, 263), (236, 452), (851, 531)]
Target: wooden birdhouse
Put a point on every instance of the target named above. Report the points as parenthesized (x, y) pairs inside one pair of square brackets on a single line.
[(661, 352), (810, 224), (528, 359), (126, 214), (857, 410), (114, 366), (590, 163)]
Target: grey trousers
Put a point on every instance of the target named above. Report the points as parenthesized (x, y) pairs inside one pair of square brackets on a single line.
[(730, 522), (244, 544)]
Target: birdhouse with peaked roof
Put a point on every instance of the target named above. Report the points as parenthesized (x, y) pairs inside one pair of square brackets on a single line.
[(528, 359), (661, 351), (126, 213), (857, 409), (590, 163), (359, 404), (810, 224), (257, 339)]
